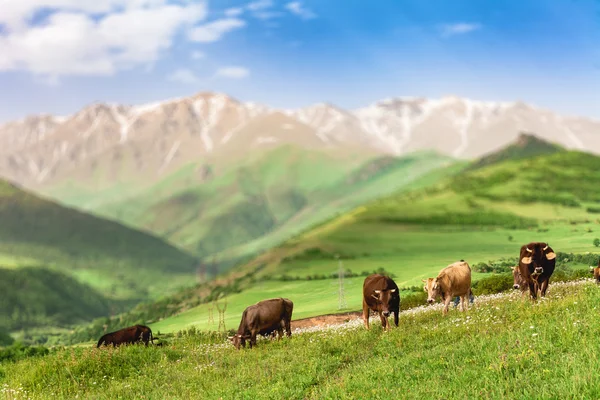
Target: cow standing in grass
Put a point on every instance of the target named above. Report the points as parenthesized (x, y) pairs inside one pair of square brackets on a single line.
[(263, 318), (381, 294), (454, 280), (129, 335), (518, 281), (536, 265), (596, 272)]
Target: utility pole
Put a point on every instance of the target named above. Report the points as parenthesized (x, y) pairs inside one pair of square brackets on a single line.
[(341, 295), (222, 308)]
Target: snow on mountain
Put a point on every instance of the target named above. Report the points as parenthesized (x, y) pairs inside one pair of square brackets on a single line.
[(156, 138)]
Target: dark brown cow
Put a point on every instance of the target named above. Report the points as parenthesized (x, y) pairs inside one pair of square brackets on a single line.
[(264, 317), (381, 294), (131, 335), (536, 265)]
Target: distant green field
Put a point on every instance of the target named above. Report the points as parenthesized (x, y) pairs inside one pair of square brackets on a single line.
[(502, 347), (411, 254)]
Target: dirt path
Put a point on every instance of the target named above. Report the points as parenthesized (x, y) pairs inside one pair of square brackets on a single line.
[(327, 319)]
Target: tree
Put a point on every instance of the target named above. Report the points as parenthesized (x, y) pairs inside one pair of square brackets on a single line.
[(597, 242)]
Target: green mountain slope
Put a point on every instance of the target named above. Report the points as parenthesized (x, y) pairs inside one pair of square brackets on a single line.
[(480, 215), (118, 261), (35, 297), (252, 206), (526, 146)]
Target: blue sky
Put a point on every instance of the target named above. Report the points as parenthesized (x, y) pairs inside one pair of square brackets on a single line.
[(57, 56)]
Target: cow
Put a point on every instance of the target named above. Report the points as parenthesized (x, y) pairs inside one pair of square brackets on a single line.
[(453, 280), (536, 265), (518, 281), (264, 317), (596, 272), (381, 294), (131, 335)]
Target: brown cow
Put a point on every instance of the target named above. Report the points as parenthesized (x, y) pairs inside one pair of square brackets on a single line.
[(536, 265), (518, 281), (262, 318), (131, 334), (596, 272), (454, 280), (381, 294)]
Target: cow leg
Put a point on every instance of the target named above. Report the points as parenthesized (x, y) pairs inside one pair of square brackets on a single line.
[(545, 287), (383, 320), (396, 317), (533, 290), (464, 303), (279, 333), (288, 327), (447, 301), (365, 314)]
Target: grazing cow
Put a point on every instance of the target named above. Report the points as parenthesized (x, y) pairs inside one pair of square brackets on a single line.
[(131, 334), (596, 272), (454, 280), (536, 265), (263, 318), (381, 294), (518, 281)]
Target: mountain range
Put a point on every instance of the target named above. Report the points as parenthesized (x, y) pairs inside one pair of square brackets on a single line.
[(107, 143)]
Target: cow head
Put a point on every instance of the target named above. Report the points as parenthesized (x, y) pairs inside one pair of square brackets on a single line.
[(238, 340), (535, 258), (432, 288), (516, 277), (385, 298)]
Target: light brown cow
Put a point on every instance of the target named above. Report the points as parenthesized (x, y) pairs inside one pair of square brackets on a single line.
[(596, 272), (454, 280), (518, 281)]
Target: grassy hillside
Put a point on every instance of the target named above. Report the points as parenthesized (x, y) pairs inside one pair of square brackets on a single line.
[(484, 353), (480, 215), (35, 297), (249, 207), (76, 250), (526, 146)]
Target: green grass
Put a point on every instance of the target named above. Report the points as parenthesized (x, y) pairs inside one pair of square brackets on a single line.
[(500, 348)]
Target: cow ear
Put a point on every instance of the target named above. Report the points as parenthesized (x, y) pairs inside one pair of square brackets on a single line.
[(551, 255), (526, 260)]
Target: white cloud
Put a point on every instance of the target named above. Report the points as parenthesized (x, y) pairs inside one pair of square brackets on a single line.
[(90, 37), (266, 15), (184, 76), (259, 5), (197, 55), (232, 72), (458, 29), (234, 12), (213, 31), (296, 7)]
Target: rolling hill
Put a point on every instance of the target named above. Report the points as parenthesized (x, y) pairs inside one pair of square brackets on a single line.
[(256, 204), (478, 215), (103, 261)]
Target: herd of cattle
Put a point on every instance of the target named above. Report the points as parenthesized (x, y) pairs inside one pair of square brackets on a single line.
[(380, 294)]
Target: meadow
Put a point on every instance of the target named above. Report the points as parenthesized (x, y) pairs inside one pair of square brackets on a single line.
[(503, 347)]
